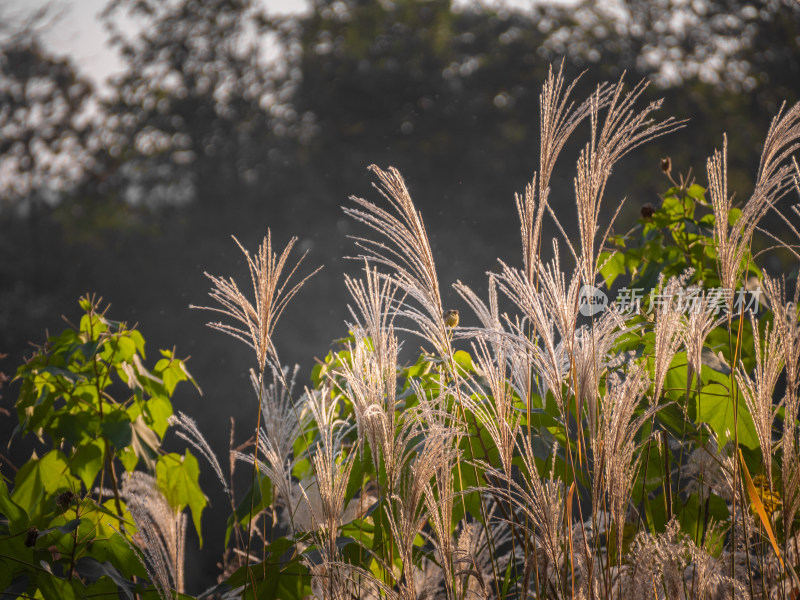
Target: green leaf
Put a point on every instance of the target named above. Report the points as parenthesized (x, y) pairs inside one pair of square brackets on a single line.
[(92, 326), (613, 265), (16, 515), (171, 370), (293, 581), (116, 428), (242, 514), (39, 478), (76, 428), (54, 587), (92, 569), (715, 407), (87, 461), (281, 576), (128, 458), (691, 514), (158, 410), (464, 360), (177, 478), (101, 525), (119, 349), (697, 192), (138, 341)]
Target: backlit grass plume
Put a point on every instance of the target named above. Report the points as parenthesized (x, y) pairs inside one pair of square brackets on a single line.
[(254, 320), (406, 252), (545, 452)]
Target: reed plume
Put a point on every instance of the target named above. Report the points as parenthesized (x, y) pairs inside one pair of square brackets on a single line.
[(615, 461), (410, 505), (698, 321), (758, 389), (593, 355), (187, 430), (494, 406), (160, 532), (668, 333), (407, 254), (549, 310), (282, 423), (558, 118), (787, 325), (370, 378), (254, 322), (774, 179), (623, 129)]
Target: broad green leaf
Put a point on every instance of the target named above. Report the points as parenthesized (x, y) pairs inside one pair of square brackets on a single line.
[(172, 370), (128, 458), (158, 410), (692, 514), (41, 478), (108, 579), (613, 266), (119, 349), (102, 525), (54, 587), (116, 428), (177, 478), (87, 461), (16, 515), (242, 513), (75, 427), (464, 360), (92, 326), (293, 581), (715, 407), (697, 192), (138, 341)]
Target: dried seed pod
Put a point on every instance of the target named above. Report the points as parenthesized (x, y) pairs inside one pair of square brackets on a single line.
[(64, 499), (31, 537)]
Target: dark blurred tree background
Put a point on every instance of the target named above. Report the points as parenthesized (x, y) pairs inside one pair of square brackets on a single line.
[(228, 120)]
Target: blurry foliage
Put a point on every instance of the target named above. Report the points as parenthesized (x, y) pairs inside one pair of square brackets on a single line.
[(43, 145), (219, 99), (189, 117)]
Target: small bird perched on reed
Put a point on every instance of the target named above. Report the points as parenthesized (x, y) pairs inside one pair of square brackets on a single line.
[(451, 318)]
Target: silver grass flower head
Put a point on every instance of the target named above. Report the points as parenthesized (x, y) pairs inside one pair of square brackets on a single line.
[(669, 325), (495, 411), (160, 533), (253, 321), (698, 322), (787, 323), (592, 356), (406, 252), (774, 179), (376, 305), (558, 118), (187, 430), (615, 465), (758, 389), (622, 130)]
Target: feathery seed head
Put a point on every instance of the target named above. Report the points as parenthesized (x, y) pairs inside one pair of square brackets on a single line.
[(254, 321)]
